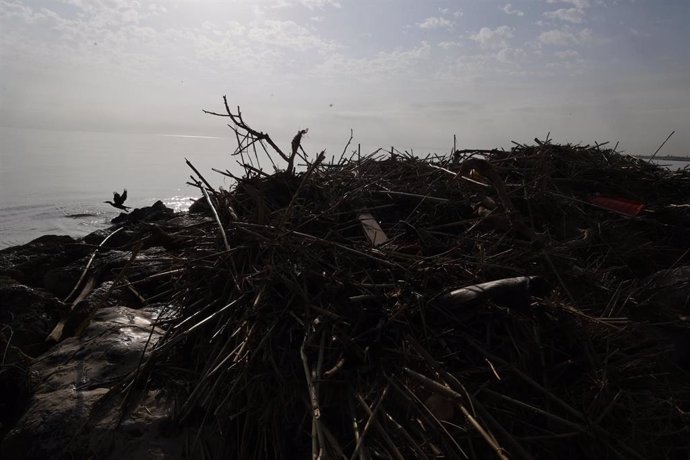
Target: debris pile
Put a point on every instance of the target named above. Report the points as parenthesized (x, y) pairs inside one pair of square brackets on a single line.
[(522, 304), (488, 304)]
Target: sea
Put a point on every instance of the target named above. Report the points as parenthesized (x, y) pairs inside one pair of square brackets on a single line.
[(56, 182)]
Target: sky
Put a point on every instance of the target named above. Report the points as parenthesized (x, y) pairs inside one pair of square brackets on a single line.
[(409, 73)]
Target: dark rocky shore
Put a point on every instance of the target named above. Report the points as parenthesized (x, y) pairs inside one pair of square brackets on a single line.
[(66, 339)]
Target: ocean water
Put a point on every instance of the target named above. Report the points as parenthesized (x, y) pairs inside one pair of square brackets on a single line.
[(55, 182), (673, 164)]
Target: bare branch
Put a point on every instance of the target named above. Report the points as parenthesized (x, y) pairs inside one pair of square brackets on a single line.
[(250, 135)]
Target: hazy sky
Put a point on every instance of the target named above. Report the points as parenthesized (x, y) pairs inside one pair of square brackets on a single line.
[(409, 73)]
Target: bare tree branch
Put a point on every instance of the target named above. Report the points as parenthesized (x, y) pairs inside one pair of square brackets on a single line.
[(247, 136)]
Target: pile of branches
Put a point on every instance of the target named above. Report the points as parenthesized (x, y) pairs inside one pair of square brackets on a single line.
[(476, 305)]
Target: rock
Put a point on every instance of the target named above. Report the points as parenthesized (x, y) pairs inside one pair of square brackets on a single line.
[(200, 206), (61, 280), (26, 317), (15, 384), (100, 297), (95, 292), (185, 220), (28, 263), (144, 435), (110, 263), (110, 347), (48, 241), (29, 313), (50, 423), (47, 394), (73, 376), (107, 264), (120, 238), (158, 211)]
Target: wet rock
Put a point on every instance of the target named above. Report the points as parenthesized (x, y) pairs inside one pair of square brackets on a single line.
[(96, 290), (185, 220), (159, 237), (50, 241), (72, 377), (149, 262), (102, 296), (110, 347), (146, 263), (50, 424), (29, 313), (158, 211), (60, 280), (121, 238), (111, 261), (46, 394), (166, 234), (26, 317), (15, 384), (144, 435), (200, 206), (107, 264), (28, 263)]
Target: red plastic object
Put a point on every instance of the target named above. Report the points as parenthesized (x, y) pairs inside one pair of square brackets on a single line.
[(628, 208)]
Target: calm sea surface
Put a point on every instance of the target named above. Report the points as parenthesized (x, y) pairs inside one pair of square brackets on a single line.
[(48, 176)]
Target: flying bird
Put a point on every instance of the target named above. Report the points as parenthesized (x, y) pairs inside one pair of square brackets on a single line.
[(118, 201)]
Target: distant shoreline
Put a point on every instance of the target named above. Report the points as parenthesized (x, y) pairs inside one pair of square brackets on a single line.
[(664, 158)]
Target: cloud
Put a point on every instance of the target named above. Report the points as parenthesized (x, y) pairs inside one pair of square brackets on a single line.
[(382, 64), (560, 37), (447, 11), (18, 11), (434, 22), (569, 62), (288, 34), (310, 4), (639, 34), (581, 4), (448, 45), (508, 9), (121, 41), (511, 55), (567, 54), (126, 11), (100, 32), (574, 15), (493, 38), (456, 106)]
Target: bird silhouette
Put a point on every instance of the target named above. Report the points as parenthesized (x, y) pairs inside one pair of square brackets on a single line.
[(118, 201)]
